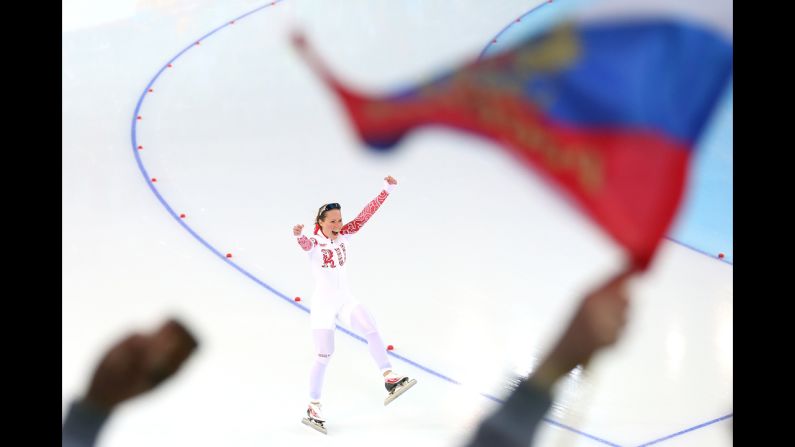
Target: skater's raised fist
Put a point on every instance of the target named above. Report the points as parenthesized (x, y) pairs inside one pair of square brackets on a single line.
[(297, 229), (391, 180)]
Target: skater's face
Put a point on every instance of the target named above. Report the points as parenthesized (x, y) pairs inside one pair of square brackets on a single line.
[(331, 223)]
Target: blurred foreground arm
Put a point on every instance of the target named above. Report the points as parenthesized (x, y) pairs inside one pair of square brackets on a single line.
[(597, 324), (131, 367)]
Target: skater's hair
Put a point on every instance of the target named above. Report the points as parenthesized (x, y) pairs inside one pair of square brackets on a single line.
[(321, 213)]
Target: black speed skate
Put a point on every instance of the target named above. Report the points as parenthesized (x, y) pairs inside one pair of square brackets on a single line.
[(314, 418), (396, 385)]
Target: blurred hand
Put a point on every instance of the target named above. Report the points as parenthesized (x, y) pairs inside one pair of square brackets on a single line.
[(598, 323), (297, 230), (391, 180), (139, 363)]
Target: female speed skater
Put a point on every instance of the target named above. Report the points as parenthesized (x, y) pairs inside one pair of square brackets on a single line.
[(327, 249)]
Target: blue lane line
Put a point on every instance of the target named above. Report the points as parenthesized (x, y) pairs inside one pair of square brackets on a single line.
[(699, 251), (580, 432), (696, 427), (497, 37)]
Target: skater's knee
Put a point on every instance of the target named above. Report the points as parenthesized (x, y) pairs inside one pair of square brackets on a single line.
[(324, 357), (368, 329), (363, 322)]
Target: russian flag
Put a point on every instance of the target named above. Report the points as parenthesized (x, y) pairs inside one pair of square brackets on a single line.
[(608, 105)]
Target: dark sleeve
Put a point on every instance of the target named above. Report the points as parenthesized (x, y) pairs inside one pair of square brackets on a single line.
[(514, 423), (82, 425)]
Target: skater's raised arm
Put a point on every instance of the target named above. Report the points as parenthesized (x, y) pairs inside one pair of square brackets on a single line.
[(596, 325), (303, 241), (356, 224)]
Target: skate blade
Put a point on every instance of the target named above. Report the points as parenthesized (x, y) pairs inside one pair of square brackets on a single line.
[(399, 390), (314, 425)]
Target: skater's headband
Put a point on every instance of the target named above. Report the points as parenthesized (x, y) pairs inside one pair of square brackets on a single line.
[(327, 207), (323, 209)]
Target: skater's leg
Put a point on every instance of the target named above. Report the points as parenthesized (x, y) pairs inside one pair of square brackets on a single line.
[(363, 322), (324, 347)]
